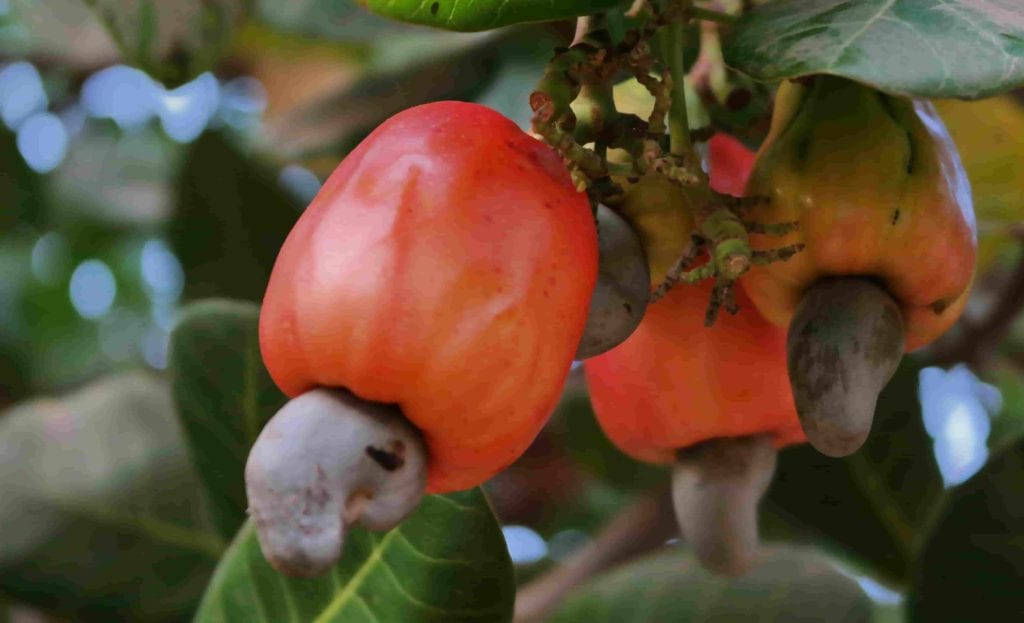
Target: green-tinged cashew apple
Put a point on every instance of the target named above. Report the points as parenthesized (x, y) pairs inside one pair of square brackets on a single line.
[(886, 220), (445, 269), (715, 401)]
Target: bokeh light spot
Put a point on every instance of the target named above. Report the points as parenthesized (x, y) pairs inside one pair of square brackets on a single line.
[(121, 93), (43, 141), (525, 546), (21, 93), (299, 182), (957, 409), (161, 271), (93, 289), (186, 111)]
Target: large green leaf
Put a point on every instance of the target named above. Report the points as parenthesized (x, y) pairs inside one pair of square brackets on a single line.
[(232, 218), (787, 585), (473, 15), (172, 40), (224, 397), (873, 504), (925, 48), (101, 515), (973, 566), (446, 563)]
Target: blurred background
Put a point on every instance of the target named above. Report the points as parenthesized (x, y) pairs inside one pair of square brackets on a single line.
[(126, 193)]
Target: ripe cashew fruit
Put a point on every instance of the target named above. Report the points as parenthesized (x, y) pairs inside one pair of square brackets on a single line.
[(713, 401), (881, 198), (446, 267)]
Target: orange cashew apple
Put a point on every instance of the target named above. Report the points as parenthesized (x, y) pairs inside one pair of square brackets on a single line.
[(714, 401), (886, 220), (444, 272)]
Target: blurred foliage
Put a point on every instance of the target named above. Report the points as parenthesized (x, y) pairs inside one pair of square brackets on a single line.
[(990, 137), (231, 217), (975, 558), (887, 489), (172, 40), (786, 585), (20, 188), (102, 517)]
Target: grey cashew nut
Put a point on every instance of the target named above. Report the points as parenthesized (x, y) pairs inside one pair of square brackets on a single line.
[(623, 286), (845, 342), (717, 486), (327, 460)]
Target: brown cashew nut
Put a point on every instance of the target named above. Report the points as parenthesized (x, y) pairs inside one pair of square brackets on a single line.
[(325, 461), (717, 486)]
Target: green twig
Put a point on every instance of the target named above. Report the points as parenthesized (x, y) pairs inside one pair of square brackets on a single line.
[(678, 124)]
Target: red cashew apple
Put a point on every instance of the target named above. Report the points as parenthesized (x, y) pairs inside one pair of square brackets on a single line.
[(446, 269), (715, 401)]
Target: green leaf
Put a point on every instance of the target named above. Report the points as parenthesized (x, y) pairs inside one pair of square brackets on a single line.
[(922, 48), (485, 14), (232, 218), (873, 504), (972, 566), (224, 397), (446, 563), (173, 40), (101, 515), (787, 585)]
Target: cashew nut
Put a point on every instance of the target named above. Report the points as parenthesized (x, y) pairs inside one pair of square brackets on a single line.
[(623, 286), (327, 460), (845, 342), (716, 488)]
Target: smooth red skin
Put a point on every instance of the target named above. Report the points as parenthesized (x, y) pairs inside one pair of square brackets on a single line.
[(730, 163), (675, 383), (446, 266)]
